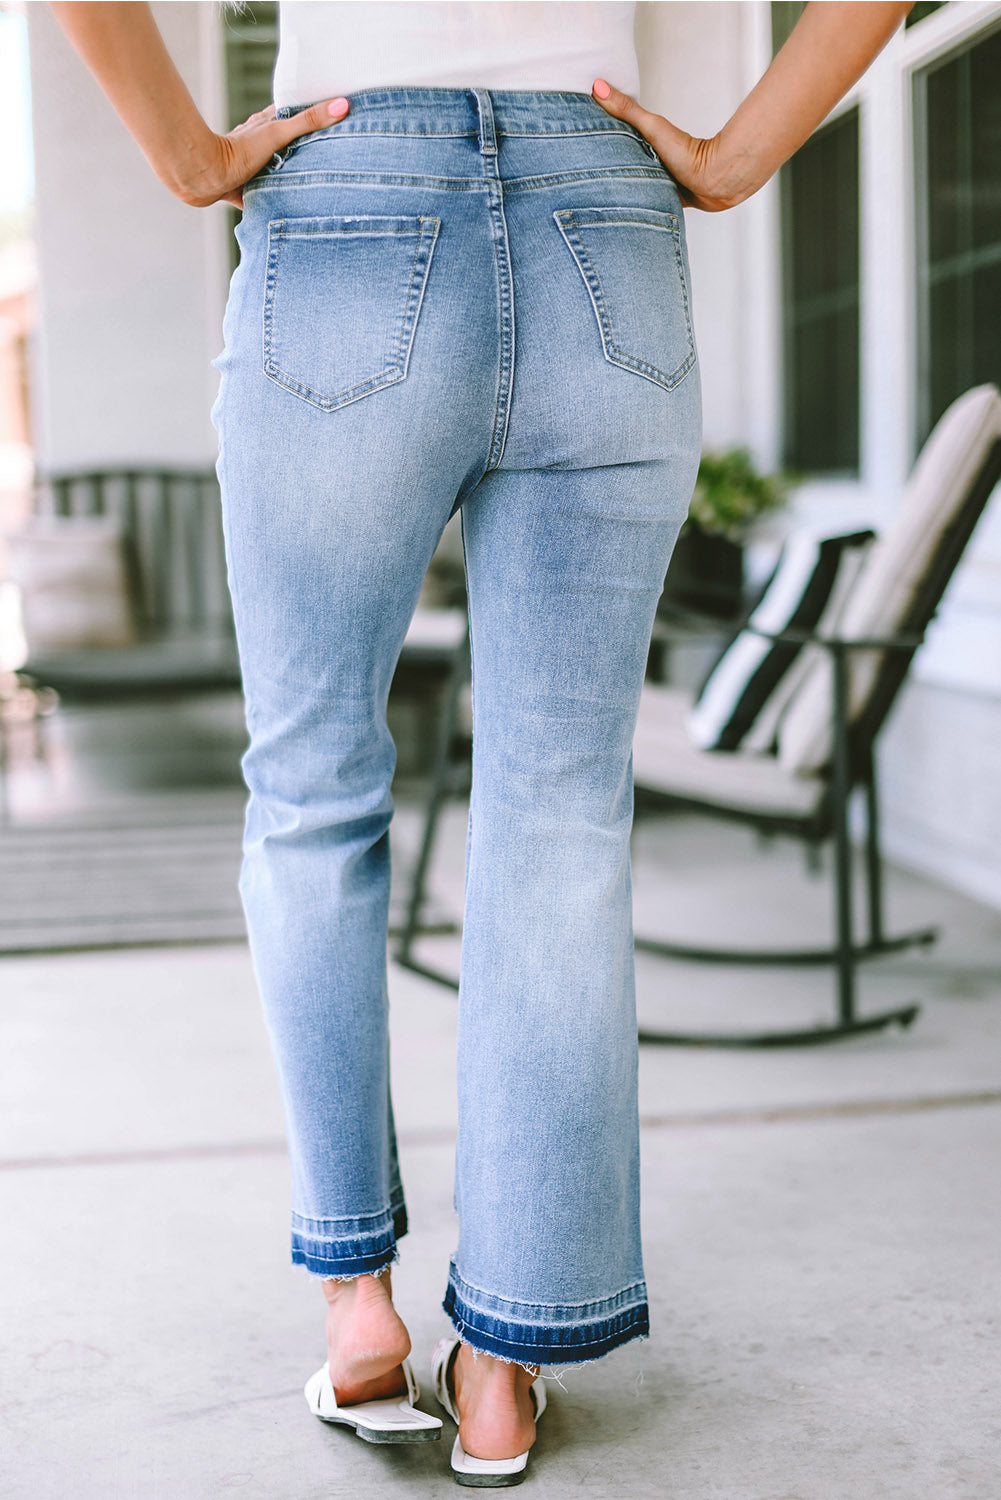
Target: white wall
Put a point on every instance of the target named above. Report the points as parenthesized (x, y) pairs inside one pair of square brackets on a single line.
[(940, 788), (132, 281)]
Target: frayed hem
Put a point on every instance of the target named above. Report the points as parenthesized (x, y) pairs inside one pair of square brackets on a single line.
[(501, 1359), (556, 1346), (333, 1257), (351, 1275), (555, 1371)]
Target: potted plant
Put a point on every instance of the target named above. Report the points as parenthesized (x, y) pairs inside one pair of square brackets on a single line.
[(707, 569)]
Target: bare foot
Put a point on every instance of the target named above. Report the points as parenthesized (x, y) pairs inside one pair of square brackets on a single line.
[(367, 1340), (495, 1405)]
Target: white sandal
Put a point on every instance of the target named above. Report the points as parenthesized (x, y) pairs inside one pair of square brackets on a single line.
[(479, 1473), (393, 1420)]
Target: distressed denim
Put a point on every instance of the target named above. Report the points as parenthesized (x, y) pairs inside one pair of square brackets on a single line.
[(479, 300)]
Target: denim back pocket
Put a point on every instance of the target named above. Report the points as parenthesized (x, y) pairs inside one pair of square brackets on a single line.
[(341, 304), (633, 267)]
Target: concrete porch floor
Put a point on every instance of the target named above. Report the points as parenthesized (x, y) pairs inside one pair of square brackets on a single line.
[(821, 1225)]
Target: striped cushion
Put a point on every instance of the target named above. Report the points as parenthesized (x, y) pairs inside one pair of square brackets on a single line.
[(764, 733), (752, 668)]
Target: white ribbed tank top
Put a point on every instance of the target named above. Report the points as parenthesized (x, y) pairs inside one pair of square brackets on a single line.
[(329, 48)]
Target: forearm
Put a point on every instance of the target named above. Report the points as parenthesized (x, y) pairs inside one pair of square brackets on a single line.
[(122, 47), (830, 47)]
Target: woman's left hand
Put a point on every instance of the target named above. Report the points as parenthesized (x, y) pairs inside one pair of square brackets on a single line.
[(228, 161), (831, 45), (693, 163)]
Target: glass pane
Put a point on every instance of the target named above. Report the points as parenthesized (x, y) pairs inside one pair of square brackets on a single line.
[(825, 354), (959, 270), (945, 314), (821, 297), (985, 141), (965, 315), (947, 180)]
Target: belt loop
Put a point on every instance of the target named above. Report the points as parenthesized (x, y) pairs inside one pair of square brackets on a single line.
[(485, 112)]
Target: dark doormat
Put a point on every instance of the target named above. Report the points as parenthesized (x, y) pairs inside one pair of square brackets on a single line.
[(122, 882), (153, 871)]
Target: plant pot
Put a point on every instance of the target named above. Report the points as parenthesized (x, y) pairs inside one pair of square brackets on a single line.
[(706, 573)]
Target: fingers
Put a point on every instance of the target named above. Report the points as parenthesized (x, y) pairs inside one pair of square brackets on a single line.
[(317, 117), (245, 150), (620, 105), (684, 157)]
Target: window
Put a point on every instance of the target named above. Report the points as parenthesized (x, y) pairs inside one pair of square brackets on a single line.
[(820, 296), (958, 148), (820, 290)]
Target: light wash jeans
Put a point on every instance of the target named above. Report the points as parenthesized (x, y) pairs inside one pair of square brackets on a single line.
[(476, 299)]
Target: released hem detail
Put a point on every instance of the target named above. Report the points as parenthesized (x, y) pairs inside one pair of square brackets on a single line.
[(339, 1258), (521, 1337)]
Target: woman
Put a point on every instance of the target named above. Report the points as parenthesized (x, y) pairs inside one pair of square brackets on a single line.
[(465, 288)]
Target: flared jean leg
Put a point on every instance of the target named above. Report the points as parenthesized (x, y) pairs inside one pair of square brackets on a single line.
[(315, 888), (338, 476), (564, 569), (326, 559)]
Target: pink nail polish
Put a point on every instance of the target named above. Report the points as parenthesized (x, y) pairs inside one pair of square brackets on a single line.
[(601, 88), (337, 106)]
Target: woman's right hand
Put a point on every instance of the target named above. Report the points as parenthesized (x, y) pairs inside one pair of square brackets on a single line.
[(121, 45), (232, 159)]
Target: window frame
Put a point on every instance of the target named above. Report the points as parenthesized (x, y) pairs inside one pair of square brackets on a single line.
[(932, 42)]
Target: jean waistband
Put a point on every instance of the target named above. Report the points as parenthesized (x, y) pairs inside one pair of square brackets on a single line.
[(484, 113)]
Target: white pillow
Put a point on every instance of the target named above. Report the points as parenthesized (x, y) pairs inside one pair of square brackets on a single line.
[(893, 571), (75, 583)]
